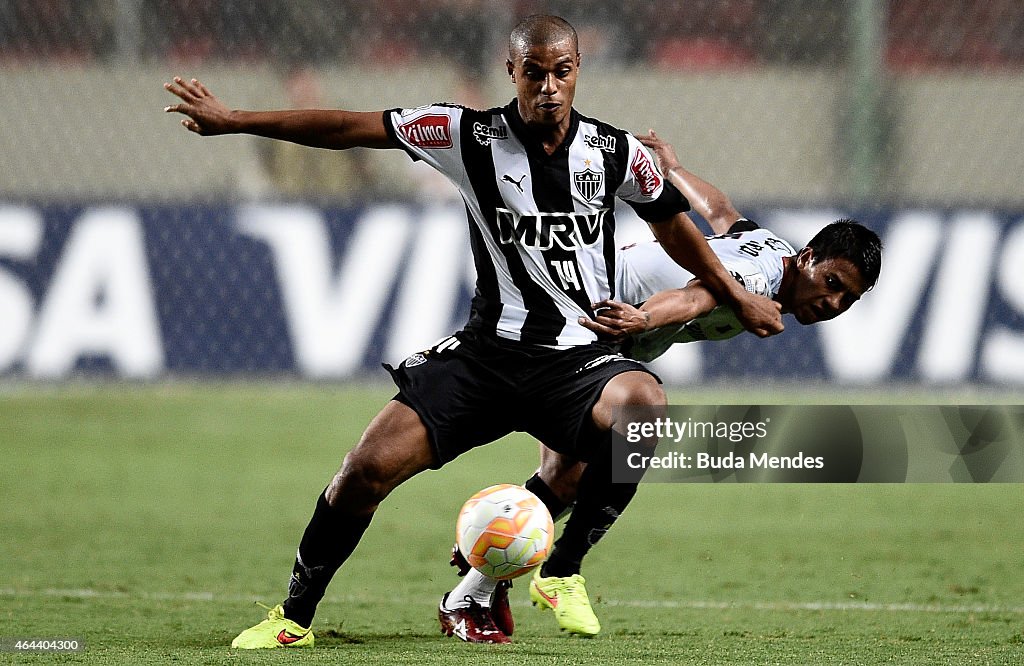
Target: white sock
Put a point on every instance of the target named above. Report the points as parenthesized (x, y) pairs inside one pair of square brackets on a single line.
[(474, 585)]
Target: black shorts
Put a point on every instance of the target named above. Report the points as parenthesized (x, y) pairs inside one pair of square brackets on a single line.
[(470, 389)]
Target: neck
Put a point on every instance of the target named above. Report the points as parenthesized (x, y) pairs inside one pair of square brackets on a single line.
[(553, 137), (784, 297), (550, 137)]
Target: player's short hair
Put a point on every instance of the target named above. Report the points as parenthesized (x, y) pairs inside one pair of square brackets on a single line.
[(850, 240), (540, 29)]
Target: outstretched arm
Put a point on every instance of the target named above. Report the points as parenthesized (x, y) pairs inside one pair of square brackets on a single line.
[(710, 202), (319, 128), (673, 306)]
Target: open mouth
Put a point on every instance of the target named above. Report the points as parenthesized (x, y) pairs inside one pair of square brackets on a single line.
[(550, 106)]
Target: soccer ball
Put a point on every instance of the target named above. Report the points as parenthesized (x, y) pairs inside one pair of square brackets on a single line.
[(504, 531)]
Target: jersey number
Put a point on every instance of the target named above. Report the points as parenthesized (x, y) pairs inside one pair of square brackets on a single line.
[(566, 272)]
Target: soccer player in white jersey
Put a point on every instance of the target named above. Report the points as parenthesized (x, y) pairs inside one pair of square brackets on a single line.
[(659, 304), (818, 283), (539, 181)]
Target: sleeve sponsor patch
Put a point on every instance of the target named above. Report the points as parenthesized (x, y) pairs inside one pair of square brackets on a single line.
[(429, 131), (647, 177)]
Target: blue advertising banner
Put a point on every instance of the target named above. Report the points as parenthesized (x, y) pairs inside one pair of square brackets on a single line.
[(145, 291)]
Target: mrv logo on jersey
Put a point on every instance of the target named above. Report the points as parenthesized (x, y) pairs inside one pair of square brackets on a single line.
[(545, 230)]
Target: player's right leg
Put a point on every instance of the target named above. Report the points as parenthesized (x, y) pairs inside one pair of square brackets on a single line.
[(393, 448)]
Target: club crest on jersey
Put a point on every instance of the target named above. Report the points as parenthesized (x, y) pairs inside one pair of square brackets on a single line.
[(600, 142), (646, 175), (414, 360), (756, 283), (484, 134), (429, 131), (544, 231), (588, 183)]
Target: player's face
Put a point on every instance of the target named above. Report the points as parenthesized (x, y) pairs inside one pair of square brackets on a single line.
[(545, 78), (824, 289)]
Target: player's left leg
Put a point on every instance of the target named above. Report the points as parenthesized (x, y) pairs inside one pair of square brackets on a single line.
[(558, 585), (599, 501)]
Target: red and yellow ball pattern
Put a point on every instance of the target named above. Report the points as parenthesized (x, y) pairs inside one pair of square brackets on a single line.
[(504, 531)]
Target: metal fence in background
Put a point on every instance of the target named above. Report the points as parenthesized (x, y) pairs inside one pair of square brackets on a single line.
[(914, 34), (128, 247)]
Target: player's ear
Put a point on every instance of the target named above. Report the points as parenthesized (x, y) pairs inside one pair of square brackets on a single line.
[(511, 70), (804, 258)]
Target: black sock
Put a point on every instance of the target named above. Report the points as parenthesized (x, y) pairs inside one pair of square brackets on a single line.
[(599, 502), (538, 487), (329, 539)]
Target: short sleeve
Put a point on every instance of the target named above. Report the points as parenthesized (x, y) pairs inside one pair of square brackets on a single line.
[(429, 133), (645, 188)]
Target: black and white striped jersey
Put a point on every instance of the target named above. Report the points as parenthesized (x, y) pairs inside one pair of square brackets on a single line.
[(541, 226)]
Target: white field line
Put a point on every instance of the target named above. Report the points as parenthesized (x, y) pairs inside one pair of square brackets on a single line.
[(692, 604)]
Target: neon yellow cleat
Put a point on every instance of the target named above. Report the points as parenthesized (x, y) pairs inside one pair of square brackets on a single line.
[(568, 598), (276, 631)]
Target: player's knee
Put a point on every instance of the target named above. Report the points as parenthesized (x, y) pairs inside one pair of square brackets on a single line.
[(647, 403), (361, 484), (635, 388), (646, 393), (561, 474), (393, 448), (638, 392)]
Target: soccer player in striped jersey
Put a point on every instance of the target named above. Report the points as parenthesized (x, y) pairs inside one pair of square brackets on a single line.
[(539, 181), (661, 304)]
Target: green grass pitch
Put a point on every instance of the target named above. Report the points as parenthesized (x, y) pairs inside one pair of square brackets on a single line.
[(146, 520)]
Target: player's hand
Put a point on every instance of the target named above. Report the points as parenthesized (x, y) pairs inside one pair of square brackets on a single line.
[(207, 115), (615, 320), (759, 314), (664, 151)]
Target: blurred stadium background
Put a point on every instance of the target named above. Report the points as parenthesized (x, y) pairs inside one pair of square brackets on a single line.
[(132, 249)]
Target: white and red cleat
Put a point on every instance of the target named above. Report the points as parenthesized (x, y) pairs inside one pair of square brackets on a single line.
[(472, 623), (501, 612)]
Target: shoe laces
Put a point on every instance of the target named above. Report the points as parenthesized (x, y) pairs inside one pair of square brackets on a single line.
[(481, 615), (272, 612)]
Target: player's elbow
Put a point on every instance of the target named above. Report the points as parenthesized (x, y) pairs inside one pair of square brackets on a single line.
[(721, 214)]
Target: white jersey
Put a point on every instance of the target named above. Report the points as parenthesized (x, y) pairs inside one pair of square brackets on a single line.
[(751, 254)]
